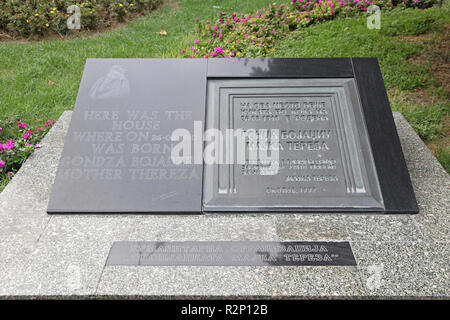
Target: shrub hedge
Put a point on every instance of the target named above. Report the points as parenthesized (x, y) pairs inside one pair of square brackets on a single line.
[(42, 17)]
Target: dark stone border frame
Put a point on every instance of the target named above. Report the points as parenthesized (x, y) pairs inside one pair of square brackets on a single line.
[(395, 183)]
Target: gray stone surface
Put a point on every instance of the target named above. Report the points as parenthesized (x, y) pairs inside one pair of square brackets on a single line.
[(405, 268), (397, 255), (382, 228), (232, 282), (311, 227)]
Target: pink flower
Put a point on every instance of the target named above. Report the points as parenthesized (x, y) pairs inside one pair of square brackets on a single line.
[(196, 41), (1, 129), (9, 145), (2, 164), (39, 129), (183, 51), (28, 145), (2, 150), (218, 50), (10, 174), (27, 134), (21, 125), (38, 146), (49, 123)]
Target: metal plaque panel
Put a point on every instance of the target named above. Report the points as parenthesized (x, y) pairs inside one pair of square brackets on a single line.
[(325, 160)]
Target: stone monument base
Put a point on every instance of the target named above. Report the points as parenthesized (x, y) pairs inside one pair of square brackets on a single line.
[(398, 256)]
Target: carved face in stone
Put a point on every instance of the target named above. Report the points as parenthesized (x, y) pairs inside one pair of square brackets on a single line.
[(112, 85)]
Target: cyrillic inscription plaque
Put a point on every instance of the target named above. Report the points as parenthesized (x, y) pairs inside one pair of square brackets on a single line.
[(324, 158), (231, 253)]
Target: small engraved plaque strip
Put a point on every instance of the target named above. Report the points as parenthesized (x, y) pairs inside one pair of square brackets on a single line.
[(231, 253)]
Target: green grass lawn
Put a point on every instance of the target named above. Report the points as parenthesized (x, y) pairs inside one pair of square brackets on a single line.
[(408, 45), (39, 80)]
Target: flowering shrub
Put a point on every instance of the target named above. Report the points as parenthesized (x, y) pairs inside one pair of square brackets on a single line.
[(421, 4), (41, 17), (236, 35), (14, 152)]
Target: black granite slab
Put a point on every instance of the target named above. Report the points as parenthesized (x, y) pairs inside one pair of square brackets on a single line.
[(339, 150), (393, 175), (231, 253), (117, 152), (280, 68)]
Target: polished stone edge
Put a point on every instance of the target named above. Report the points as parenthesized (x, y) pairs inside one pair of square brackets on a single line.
[(393, 176), (281, 67)]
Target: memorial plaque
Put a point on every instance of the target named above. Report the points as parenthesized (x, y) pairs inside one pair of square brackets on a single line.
[(232, 135), (231, 253), (117, 155), (324, 155)]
